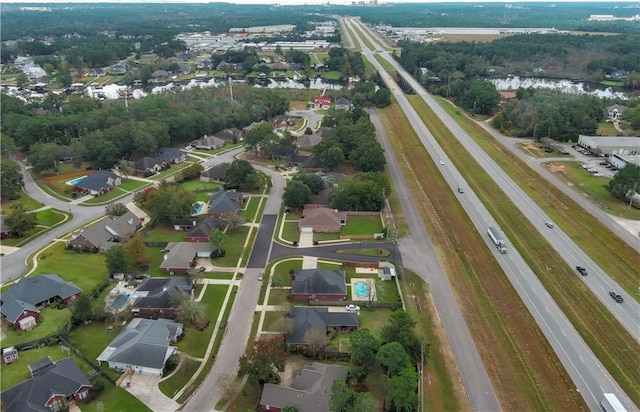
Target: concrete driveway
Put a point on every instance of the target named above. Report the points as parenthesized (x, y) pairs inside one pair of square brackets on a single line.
[(145, 388)]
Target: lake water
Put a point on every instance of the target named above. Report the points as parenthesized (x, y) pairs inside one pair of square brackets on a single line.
[(566, 86)]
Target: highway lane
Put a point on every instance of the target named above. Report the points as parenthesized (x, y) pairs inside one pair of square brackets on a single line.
[(418, 254), (587, 372)]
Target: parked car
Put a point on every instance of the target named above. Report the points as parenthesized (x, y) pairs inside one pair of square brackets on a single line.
[(260, 276), (581, 270), (616, 296), (352, 307), (202, 269)]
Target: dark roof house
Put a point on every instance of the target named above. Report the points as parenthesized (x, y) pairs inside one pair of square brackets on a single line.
[(150, 165), (53, 386), (32, 292), (172, 155), (201, 232), (208, 142), (224, 201), (343, 104), (310, 391), (180, 257), (99, 183), (153, 297), (216, 173), (106, 233), (143, 346), (229, 135), (318, 284), (305, 318)]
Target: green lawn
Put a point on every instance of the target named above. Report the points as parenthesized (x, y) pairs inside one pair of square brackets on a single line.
[(192, 185), (128, 185), (92, 339), (281, 276), (387, 291), (324, 237), (86, 270), (114, 399), (18, 372), (195, 341), (270, 320), (172, 385), (362, 225), (51, 319), (174, 169), (290, 232), (164, 232), (27, 202), (375, 319), (233, 247), (50, 217), (250, 208)]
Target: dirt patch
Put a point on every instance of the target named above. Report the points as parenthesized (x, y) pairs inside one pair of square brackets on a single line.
[(291, 369)]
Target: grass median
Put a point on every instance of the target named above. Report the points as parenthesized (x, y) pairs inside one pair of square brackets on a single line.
[(609, 341), (524, 370)]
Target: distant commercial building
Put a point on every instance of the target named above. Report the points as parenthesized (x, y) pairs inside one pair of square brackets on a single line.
[(609, 145)]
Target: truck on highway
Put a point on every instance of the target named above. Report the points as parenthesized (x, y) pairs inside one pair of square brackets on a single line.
[(497, 239), (610, 403)]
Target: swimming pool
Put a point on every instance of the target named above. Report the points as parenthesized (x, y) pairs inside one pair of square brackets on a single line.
[(361, 289), (75, 181), (197, 207), (120, 301)]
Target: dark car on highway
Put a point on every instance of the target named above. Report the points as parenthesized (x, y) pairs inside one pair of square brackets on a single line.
[(616, 297), (581, 270)]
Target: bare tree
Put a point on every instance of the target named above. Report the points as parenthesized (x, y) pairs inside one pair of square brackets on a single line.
[(283, 324), (372, 295), (316, 340), (228, 385), (231, 220)]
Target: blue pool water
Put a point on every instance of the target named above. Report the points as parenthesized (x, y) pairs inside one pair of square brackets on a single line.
[(361, 289), (75, 181), (120, 301), (197, 207)]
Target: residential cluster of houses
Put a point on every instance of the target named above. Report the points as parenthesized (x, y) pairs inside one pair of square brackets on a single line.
[(324, 102)]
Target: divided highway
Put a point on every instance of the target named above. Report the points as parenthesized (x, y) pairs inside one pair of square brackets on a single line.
[(588, 374)]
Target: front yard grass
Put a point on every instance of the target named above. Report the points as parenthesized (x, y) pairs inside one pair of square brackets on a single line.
[(46, 220), (85, 269), (250, 208), (27, 202), (270, 319), (174, 168), (325, 237), (362, 225), (278, 297), (50, 217), (290, 231), (120, 191), (197, 184), (114, 399), (51, 320), (233, 247), (195, 341), (180, 378), (164, 232)]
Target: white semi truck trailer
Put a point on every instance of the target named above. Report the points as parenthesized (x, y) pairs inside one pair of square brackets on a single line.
[(611, 403), (497, 239)]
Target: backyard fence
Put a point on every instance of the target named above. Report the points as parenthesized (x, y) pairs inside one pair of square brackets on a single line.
[(95, 366)]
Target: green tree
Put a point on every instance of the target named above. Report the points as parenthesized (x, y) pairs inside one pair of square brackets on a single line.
[(330, 154), (368, 158), (117, 259), (342, 398), (363, 349), (313, 181), (137, 250), (192, 172), (241, 175), (393, 358), (403, 388), (125, 169), (255, 137), (625, 182), (7, 145), (265, 359), (296, 195), (44, 156), (19, 220), (191, 312), (82, 310), (10, 179), (230, 221), (316, 340), (116, 209), (365, 402), (218, 239), (170, 203), (400, 328)]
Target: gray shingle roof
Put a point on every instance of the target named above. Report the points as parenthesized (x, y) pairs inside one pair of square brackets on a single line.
[(144, 342), (32, 290), (225, 201), (203, 228), (169, 153), (217, 172), (305, 318), (180, 254), (103, 233), (319, 281), (155, 293), (60, 378), (102, 179), (147, 163), (310, 390)]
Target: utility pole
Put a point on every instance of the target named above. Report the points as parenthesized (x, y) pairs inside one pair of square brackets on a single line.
[(231, 88), (422, 377)]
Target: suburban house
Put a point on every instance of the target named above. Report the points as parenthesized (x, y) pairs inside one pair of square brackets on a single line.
[(305, 318), (117, 70), (320, 102), (216, 173), (20, 304), (201, 231), (180, 257), (321, 219), (148, 166), (283, 121), (171, 155), (53, 386), (208, 142), (223, 202), (153, 297), (98, 183), (106, 233), (343, 104), (160, 74), (308, 141), (310, 390), (319, 284), (232, 135), (143, 346), (615, 111), (307, 163)]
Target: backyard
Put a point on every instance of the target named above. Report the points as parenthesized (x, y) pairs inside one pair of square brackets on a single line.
[(51, 320), (362, 225)]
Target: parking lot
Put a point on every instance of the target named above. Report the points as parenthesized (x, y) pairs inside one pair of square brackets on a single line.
[(596, 165)]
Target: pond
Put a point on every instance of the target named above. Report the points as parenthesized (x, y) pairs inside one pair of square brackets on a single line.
[(564, 85)]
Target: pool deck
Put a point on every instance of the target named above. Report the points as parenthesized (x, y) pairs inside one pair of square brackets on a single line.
[(370, 281), (120, 289)]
